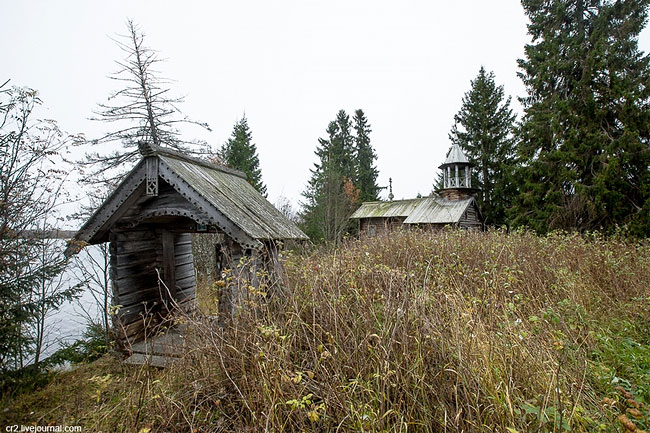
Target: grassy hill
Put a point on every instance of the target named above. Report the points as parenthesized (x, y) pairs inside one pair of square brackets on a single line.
[(413, 332)]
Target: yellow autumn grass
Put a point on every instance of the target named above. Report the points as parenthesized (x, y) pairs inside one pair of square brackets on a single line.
[(425, 332)]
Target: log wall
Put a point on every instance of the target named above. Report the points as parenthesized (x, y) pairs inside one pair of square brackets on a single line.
[(135, 256), (138, 257), (470, 219), (377, 226)]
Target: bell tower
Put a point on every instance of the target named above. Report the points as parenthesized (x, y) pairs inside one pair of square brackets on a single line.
[(457, 175)]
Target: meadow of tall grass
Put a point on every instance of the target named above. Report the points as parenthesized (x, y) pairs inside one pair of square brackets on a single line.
[(413, 331)]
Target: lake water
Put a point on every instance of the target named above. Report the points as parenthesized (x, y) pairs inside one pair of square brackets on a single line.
[(67, 324)]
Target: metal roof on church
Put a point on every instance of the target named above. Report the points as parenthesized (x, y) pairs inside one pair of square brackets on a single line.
[(425, 210), (386, 209), (455, 156)]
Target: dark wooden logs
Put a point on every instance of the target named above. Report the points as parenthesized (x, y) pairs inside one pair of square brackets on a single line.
[(142, 259), (470, 219)]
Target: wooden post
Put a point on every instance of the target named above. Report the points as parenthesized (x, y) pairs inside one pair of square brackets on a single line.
[(169, 267), (152, 176)]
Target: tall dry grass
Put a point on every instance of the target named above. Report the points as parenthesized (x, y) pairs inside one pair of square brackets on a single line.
[(451, 331), (425, 332)]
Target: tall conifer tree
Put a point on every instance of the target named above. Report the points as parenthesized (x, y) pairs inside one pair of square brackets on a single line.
[(366, 176), (342, 147), (585, 132), (331, 196), (240, 152), (484, 130)]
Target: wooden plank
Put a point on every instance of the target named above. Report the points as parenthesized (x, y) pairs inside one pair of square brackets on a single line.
[(139, 268), (129, 247), (119, 211), (151, 316), (185, 295), (135, 315), (153, 360), (128, 298), (136, 235), (183, 270), (184, 259), (169, 202), (152, 176), (168, 262), (183, 250), (137, 281), (130, 259), (140, 273), (112, 269), (169, 343), (185, 290), (131, 316), (186, 239), (186, 282), (131, 331)]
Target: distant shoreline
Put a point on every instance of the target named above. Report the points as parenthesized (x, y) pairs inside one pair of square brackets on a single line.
[(47, 234)]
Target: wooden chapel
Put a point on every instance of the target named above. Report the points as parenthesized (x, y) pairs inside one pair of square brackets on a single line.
[(149, 219)]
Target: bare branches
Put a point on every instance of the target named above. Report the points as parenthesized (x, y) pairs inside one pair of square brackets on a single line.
[(31, 189), (142, 111)]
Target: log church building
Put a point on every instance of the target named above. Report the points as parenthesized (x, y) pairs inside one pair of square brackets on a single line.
[(452, 205)]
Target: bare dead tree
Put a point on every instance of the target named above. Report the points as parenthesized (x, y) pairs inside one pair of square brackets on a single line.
[(143, 116), (91, 269), (143, 113), (284, 205), (48, 294)]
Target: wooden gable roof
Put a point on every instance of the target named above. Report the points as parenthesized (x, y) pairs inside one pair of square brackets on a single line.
[(210, 194)]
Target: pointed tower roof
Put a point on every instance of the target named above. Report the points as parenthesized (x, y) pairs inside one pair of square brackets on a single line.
[(455, 156), (457, 175)]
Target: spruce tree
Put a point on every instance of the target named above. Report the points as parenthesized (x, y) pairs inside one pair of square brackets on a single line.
[(331, 196), (240, 152), (484, 130), (342, 147), (366, 174), (585, 132)]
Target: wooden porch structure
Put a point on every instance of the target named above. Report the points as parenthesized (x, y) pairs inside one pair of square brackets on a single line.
[(148, 221)]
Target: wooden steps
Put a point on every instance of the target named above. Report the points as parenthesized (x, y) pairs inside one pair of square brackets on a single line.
[(153, 360), (159, 351)]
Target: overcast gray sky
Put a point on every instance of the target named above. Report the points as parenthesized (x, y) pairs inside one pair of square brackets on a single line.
[(289, 65)]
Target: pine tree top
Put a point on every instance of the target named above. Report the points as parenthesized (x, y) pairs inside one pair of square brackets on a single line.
[(240, 152)]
